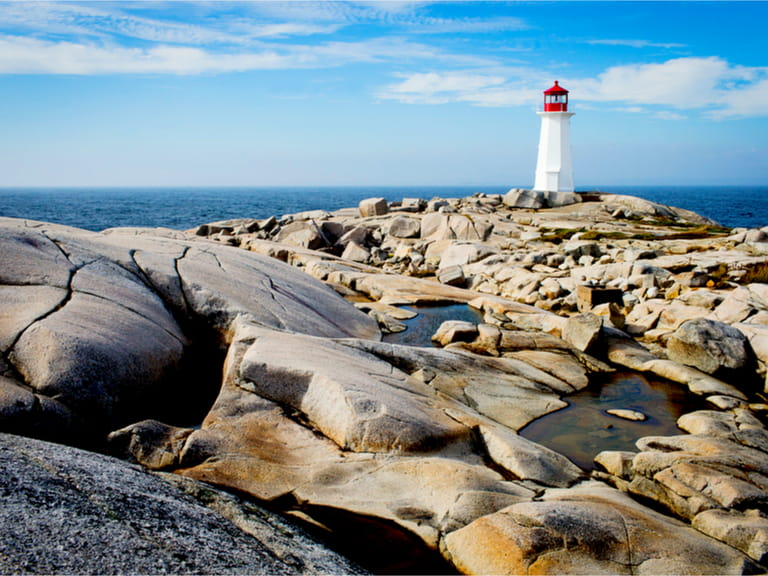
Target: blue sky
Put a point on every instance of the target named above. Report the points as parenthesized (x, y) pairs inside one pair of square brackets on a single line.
[(378, 93)]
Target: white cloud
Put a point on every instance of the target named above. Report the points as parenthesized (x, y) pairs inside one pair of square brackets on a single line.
[(680, 83), (751, 100), (31, 56), (709, 85), (474, 88)]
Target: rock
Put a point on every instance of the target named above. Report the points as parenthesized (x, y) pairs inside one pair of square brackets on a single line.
[(508, 391), (441, 226), (329, 384), (557, 199), (582, 331), (615, 462), (459, 254), (551, 289), (150, 443), (455, 331), (611, 314), (65, 510), (712, 347), (741, 303), (528, 460), (591, 529), (16, 406), (373, 207), (413, 204), (632, 415), (118, 321), (518, 198), (578, 248), (356, 253), (404, 227), (747, 532), (303, 233), (358, 234), (451, 276), (591, 296)]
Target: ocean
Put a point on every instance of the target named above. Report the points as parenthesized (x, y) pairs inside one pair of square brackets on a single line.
[(185, 208)]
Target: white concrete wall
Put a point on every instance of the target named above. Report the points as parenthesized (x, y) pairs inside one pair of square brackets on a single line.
[(554, 169)]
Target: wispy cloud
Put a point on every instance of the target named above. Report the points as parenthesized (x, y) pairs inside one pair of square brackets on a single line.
[(708, 85), (439, 88), (636, 43), (20, 55)]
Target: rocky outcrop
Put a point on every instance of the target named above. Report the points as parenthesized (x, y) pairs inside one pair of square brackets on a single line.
[(589, 529), (93, 324), (248, 355), (67, 511)]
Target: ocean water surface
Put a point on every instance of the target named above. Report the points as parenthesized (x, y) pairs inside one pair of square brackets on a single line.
[(184, 208)]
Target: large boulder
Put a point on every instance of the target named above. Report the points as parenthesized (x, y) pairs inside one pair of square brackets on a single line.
[(712, 347), (92, 325), (591, 529), (403, 227), (67, 511), (519, 198), (442, 226), (373, 207)]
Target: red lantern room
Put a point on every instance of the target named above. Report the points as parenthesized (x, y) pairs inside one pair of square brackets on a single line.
[(556, 99)]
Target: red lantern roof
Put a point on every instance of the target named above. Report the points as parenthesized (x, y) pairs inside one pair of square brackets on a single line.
[(556, 89)]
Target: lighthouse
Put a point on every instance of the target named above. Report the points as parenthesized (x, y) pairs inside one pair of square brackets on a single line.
[(554, 170)]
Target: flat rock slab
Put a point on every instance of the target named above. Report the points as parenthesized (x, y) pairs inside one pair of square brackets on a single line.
[(67, 511)]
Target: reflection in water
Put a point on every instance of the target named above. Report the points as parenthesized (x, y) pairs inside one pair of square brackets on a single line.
[(422, 327), (583, 429)]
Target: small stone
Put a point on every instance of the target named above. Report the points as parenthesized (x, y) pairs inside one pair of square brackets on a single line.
[(632, 415)]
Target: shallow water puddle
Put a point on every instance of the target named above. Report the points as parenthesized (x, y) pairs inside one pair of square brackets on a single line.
[(422, 327), (583, 429)]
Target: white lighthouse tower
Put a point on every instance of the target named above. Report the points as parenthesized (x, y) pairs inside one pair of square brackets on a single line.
[(554, 170)]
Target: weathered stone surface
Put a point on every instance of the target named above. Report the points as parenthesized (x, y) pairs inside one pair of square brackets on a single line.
[(440, 226), (591, 529), (373, 207), (371, 437), (508, 391), (746, 531), (304, 233), (356, 253), (152, 444), (451, 276), (329, 383), (632, 415), (104, 333), (458, 254), (712, 347), (518, 198), (455, 331), (404, 227), (69, 511), (528, 460), (582, 330)]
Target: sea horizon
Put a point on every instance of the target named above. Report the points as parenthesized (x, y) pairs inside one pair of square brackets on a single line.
[(185, 207)]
